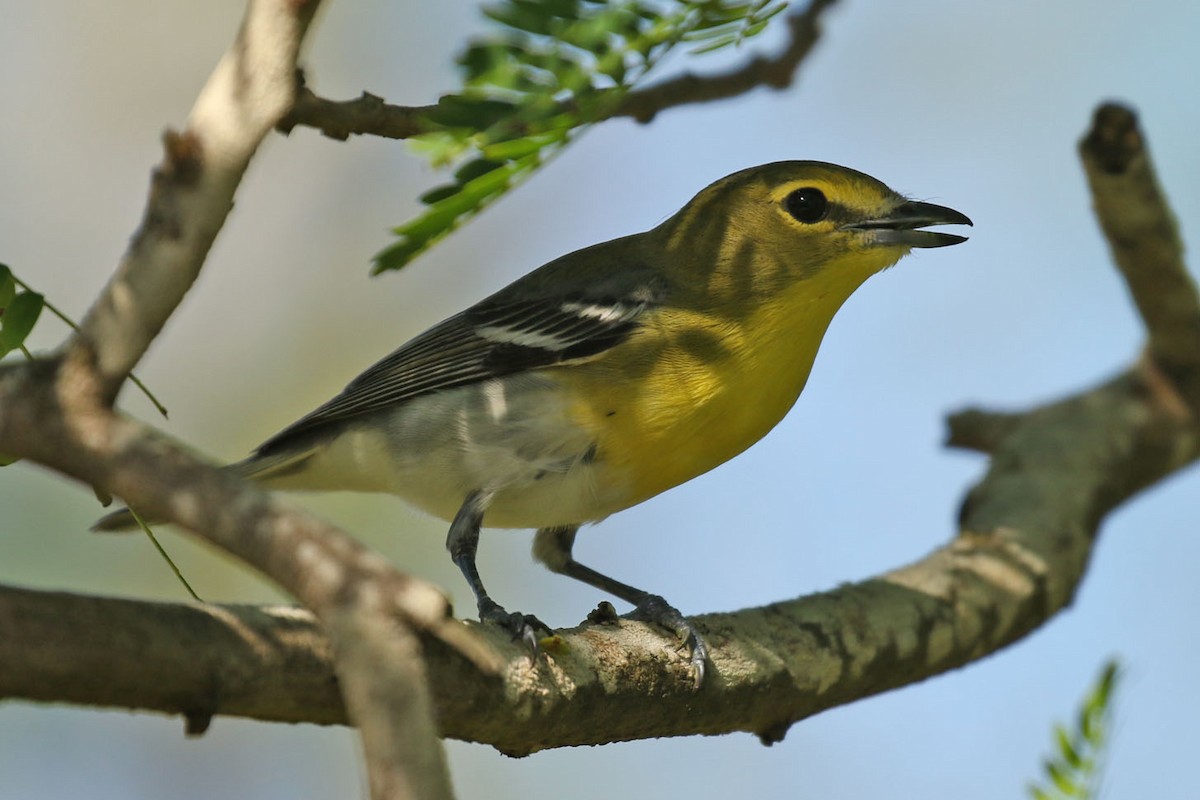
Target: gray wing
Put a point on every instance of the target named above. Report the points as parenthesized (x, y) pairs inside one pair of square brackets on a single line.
[(504, 334)]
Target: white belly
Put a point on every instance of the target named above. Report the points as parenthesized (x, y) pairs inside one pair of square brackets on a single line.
[(512, 436)]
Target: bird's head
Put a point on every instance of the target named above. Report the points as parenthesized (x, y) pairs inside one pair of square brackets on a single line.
[(797, 220)]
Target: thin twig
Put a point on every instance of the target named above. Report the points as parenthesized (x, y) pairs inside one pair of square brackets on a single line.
[(777, 72), (370, 115), (165, 556), (367, 114)]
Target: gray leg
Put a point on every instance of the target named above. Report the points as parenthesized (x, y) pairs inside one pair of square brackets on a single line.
[(552, 547), (463, 542)]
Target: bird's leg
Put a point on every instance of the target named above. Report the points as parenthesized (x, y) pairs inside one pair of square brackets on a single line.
[(463, 542), (552, 547)]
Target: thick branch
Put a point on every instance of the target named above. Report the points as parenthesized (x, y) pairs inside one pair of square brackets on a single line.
[(370, 115), (266, 662), (58, 413), (1027, 533), (192, 190), (351, 589)]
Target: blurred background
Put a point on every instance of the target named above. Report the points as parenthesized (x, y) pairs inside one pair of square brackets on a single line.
[(973, 105)]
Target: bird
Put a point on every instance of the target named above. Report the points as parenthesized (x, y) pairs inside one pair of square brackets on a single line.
[(609, 375)]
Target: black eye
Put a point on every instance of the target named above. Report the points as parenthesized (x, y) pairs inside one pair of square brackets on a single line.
[(807, 205)]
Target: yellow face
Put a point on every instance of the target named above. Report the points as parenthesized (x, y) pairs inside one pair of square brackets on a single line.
[(768, 227)]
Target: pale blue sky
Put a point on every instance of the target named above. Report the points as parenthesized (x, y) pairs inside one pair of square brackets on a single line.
[(973, 105)]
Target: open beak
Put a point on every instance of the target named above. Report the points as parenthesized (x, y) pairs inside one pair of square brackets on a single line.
[(900, 226)]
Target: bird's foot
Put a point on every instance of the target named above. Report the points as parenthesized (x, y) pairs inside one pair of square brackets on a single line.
[(656, 610), (522, 626)]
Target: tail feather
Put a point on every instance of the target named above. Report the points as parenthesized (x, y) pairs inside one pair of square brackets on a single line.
[(255, 468), (116, 522)]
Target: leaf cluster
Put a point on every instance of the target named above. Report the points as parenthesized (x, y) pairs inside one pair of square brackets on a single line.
[(1075, 768), (553, 68)]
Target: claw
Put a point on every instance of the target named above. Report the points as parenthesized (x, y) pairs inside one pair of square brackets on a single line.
[(522, 626), (654, 609)]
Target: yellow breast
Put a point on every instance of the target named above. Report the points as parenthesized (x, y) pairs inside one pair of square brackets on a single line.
[(692, 390)]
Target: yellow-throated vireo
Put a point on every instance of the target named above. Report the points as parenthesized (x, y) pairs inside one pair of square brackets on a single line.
[(610, 374)]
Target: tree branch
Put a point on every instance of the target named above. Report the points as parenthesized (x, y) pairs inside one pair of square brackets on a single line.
[(192, 190), (367, 114), (57, 412), (1144, 239), (370, 115), (265, 662), (1025, 538)]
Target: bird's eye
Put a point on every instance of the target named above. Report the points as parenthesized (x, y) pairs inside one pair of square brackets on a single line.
[(807, 205)]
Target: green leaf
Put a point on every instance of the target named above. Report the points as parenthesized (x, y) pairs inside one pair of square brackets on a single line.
[(612, 64), (448, 213), (723, 26), (6, 460), (1095, 711), (1108, 682), (528, 17), (1039, 793), (1066, 749), (718, 18), (477, 168), (439, 193), (18, 319), (480, 58), (1091, 725), (472, 112), (516, 149), (559, 9), (8, 287), (712, 31), (646, 12), (719, 44), (773, 12), (753, 30), (1062, 781)]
